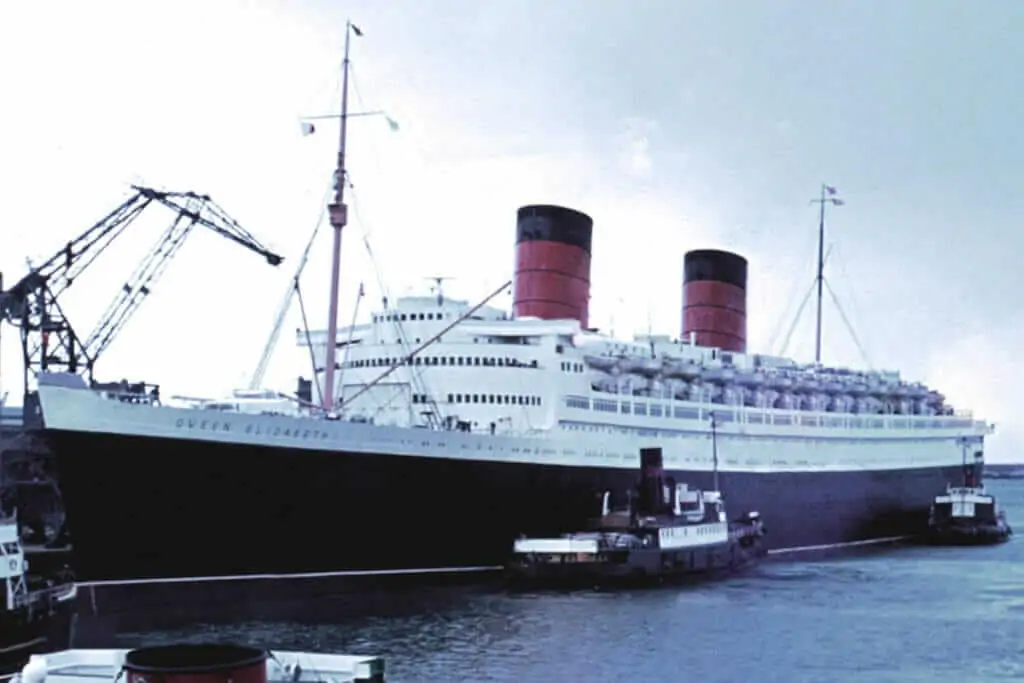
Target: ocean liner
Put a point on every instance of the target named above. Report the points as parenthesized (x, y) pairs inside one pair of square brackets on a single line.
[(438, 411)]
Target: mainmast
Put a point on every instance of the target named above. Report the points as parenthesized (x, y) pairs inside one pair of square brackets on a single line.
[(828, 195), (338, 215)]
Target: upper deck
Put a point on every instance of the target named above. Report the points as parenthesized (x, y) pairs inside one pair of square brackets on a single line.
[(425, 361)]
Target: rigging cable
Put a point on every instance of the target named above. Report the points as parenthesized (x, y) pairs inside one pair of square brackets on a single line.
[(417, 380), (348, 342), (416, 374), (309, 342), (431, 340), (285, 305), (790, 298), (796, 318), (849, 327), (851, 299)]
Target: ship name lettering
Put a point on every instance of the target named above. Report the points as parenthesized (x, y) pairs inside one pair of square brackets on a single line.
[(202, 425), (306, 434)]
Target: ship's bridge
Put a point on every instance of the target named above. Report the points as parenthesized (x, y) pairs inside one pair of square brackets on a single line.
[(433, 361)]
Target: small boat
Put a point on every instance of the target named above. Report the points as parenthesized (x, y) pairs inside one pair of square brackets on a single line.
[(667, 530), (35, 611), (968, 514), (200, 663)]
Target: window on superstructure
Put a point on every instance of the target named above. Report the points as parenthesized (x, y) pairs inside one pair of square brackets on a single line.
[(476, 398), (476, 361), (451, 398)]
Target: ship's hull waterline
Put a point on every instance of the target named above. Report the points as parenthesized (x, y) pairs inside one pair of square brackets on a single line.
[(147, 507)]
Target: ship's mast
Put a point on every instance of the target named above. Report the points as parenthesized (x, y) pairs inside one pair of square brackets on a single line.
[(338, 214), (828, 196)]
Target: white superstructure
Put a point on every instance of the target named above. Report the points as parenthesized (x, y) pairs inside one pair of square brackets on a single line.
[(492, 373)]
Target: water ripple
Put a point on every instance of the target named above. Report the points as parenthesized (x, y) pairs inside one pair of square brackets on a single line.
[(906, 615)]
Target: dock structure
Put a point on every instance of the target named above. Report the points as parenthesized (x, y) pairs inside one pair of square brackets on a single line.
[(185, 663), (29, 484)]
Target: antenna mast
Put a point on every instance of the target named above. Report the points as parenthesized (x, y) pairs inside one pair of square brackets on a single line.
[(828, 196), (438, 281), (338, 214)]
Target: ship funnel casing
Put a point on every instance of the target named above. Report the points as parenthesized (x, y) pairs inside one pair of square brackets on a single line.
[(715, 299), (652, 482), (552, 271)]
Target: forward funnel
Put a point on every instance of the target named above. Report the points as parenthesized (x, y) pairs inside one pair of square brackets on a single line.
[(552, 275)]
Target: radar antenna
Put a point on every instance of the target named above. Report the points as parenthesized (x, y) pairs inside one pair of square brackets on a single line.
[(438, 281)]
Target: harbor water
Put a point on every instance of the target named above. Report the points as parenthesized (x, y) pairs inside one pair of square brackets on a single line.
[(896, 614)]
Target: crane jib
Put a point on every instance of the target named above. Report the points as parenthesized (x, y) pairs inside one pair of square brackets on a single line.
[(49, 341)]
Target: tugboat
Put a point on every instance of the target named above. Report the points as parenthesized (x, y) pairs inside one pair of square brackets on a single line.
[(201, 663), (35, 612), (667, 530), (967, 515)]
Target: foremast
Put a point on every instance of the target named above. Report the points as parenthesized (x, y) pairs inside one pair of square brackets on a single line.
[(338, 215)]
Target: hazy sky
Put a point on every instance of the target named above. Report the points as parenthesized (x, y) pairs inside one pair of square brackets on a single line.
[(676, 125)]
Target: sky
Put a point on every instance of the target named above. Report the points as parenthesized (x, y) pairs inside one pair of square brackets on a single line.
[(675, 124)]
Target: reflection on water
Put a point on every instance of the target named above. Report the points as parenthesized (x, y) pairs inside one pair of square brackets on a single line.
[(906, 614)]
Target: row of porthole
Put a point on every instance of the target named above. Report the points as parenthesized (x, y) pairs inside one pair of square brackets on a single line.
[(495, 399), (412, 317), (463, 361), (403, 317)]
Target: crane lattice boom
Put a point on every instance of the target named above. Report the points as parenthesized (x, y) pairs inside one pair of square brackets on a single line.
[(49, 342)]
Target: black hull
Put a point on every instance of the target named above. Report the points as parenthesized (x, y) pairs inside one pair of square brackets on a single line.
[(640, 568), (152, 508), (969, 534), (23, 635)]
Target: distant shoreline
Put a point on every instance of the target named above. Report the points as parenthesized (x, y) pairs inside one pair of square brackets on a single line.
[(1005, 471)]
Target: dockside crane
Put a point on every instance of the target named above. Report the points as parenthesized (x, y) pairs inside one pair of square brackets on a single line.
[(49, 341)]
